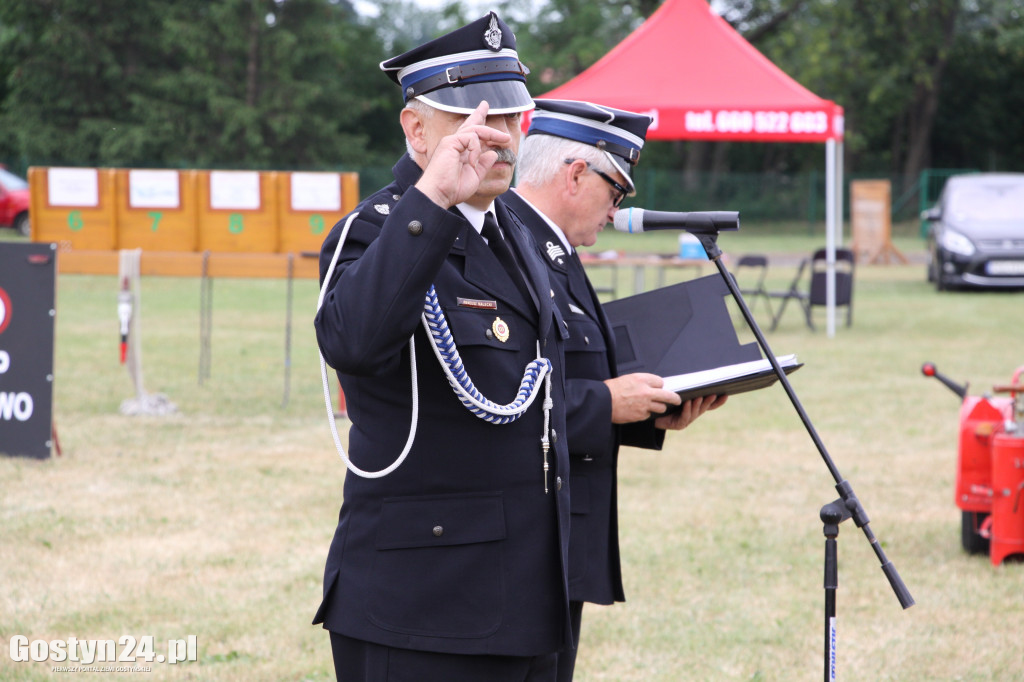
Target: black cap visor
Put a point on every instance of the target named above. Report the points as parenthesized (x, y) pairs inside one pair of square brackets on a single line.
[(503, 97), (625, 168)]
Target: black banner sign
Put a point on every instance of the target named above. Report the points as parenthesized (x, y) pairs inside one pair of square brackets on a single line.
[(28, 282)]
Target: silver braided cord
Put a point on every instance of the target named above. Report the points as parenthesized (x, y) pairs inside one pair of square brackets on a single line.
[(448, 355), (436, 326)]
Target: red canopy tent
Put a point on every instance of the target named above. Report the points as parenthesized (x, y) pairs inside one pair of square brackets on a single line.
[(700, 80)]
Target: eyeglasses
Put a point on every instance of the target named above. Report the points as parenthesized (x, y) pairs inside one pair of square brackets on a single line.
[(620, 191)]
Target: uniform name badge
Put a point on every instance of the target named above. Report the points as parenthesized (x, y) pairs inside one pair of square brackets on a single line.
[(500, 329)]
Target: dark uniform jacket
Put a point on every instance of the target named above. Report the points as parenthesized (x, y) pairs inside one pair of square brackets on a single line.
[(459, 550), (595, 574)]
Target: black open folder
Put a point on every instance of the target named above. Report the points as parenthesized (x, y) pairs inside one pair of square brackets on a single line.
[(685, 334)]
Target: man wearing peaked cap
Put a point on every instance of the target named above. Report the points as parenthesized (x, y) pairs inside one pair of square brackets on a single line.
[(459, 70), (575, 168), (619, 134), (452, 567)]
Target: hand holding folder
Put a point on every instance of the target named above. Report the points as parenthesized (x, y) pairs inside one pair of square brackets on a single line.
[(684, 333), (731, 379)]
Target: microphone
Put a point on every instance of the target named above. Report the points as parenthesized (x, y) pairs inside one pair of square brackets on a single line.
[(703, 222)]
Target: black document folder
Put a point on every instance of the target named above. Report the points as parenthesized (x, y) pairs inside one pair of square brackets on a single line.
[(731, 379), (686, 328)]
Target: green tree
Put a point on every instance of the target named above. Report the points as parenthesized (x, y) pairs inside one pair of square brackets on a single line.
[(296, 83), (224, 83), (977, 124), (560, 38), (898, 69), (262, 83), (71, 65)]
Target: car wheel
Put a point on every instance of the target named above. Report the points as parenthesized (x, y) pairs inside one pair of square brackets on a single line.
[(970, 538), (940, 283), (21, 225), (936, 273)]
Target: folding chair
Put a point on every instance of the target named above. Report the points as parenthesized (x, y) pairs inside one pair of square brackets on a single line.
[(844, 283), (759, 264), (793, 293)]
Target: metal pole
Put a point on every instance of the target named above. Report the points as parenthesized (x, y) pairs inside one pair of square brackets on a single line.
[(847, 496), (831, 516), (830, 236)]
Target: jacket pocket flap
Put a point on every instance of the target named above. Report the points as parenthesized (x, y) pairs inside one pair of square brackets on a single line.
[(436, 521), (584, 335)]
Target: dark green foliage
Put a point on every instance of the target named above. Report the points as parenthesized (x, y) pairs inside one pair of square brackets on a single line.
[(295, 84), (231, 83)]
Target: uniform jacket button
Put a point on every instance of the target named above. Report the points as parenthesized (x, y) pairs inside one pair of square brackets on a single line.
[(558, 482), (489, 334), (415, 228), (438, 531)]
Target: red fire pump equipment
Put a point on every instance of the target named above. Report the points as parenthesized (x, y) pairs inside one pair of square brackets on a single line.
[(990, 471)]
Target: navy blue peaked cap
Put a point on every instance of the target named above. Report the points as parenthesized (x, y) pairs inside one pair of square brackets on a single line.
[(460, 69), (620, 134)]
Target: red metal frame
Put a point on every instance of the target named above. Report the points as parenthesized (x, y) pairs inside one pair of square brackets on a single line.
[(990, 468)]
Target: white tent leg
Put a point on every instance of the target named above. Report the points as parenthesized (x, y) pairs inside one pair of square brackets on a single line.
[(839, 192), (830, 236)]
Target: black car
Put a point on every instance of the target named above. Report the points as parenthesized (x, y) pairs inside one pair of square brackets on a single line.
[(976, 232)]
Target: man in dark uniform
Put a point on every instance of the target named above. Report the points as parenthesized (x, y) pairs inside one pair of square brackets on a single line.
[(573, 173), (452, 566)]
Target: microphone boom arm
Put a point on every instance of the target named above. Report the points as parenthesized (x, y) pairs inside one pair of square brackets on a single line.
[(708, 236)]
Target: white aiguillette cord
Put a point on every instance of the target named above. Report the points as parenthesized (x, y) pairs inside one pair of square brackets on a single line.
[(436, 326)]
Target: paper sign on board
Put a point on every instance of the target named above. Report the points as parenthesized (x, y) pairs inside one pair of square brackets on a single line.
[(73, 187), (316, 192), (235, 190), (153, 189)]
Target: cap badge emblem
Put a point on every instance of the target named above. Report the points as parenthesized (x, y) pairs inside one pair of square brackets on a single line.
[(383, 209), (500, 329), (492, 36)]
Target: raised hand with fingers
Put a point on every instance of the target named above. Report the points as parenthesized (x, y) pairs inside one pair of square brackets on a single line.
[(462, 159)]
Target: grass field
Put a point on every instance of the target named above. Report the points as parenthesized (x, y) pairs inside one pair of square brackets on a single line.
[(215, 521)]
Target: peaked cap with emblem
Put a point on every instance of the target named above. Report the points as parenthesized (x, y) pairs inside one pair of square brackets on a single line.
[(619, 134), (460, 69)]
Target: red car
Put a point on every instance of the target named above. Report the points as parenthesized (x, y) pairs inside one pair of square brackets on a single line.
[(13, 202)]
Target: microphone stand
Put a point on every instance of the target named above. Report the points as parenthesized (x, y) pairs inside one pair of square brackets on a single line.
[(834, 513)]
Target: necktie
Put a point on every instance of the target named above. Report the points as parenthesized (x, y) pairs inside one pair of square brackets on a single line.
[(501, 249), (578, 272)]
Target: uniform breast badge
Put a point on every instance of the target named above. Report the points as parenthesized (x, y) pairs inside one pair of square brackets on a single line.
[(383, 209), (555, 252), (500, 329)]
